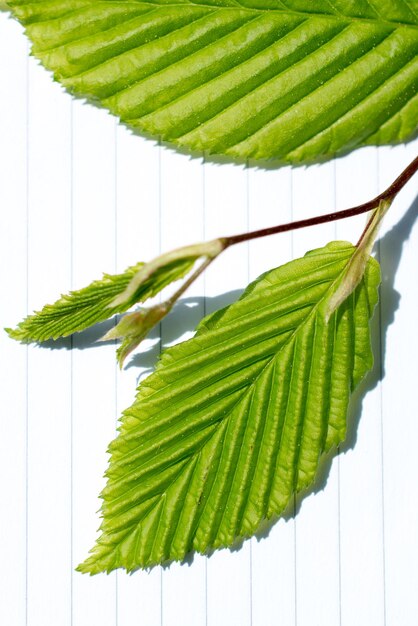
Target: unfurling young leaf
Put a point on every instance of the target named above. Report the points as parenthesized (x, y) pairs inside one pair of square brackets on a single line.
[(134, 327), (293, 80), (116, 294), (354, 271), (234, 421), (96, 303)]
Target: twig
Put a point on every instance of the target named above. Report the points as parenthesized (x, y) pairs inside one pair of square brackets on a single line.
[(388, 194)]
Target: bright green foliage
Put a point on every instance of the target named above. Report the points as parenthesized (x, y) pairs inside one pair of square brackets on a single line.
[(134, 327), (80, 309), (233, 422), (293, 80)]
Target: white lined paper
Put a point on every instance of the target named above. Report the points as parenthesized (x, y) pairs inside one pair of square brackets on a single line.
[(99, 199)]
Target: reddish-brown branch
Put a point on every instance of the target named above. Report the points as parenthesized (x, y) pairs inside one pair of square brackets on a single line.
[(388, 194)]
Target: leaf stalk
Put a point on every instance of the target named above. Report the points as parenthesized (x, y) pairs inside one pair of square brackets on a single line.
[(387, 195)]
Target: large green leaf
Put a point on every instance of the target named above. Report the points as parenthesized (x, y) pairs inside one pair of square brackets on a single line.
[(293, 80), (233, 422)]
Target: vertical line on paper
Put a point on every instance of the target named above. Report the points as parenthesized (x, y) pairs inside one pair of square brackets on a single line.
[(27, 348), (295, 557), (339, 535), (115, 263), (160, 324), (291, 213), (204, 225), (204, 315), (71, 363), (295, 554), (116, 191), (247, 184), (381, 408), (337, 460), (294, 497)]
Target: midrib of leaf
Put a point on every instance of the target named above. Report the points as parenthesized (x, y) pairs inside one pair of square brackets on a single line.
[(224, 5), (288, 341), (333, 12), (242, 392)]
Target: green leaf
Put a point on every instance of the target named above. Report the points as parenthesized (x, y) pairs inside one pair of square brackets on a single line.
[(80, 309), (292, 80), (233, 422), (134, 327)]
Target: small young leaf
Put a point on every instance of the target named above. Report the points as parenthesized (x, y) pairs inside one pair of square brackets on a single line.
[(134, 327), (81, 309), (354, 271), (293, 80), (233, 422)]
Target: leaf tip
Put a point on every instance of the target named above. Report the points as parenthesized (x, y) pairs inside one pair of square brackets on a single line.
[(92, 564), (17, 334), (88, 567)]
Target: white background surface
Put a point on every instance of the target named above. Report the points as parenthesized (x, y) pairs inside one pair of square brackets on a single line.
[(80, 195)]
